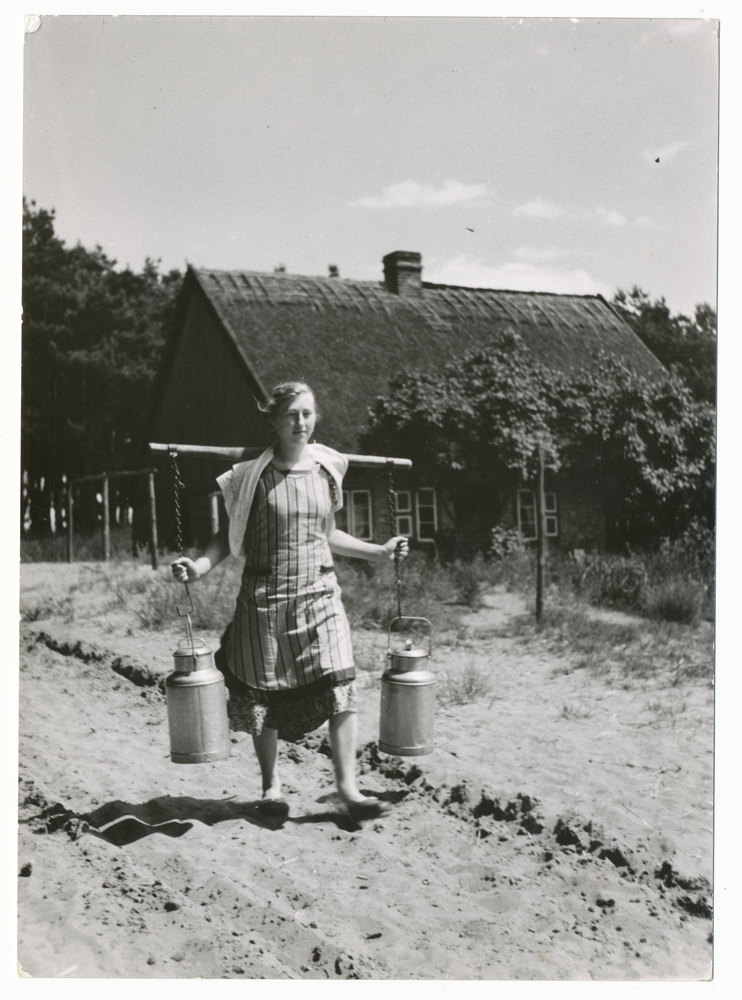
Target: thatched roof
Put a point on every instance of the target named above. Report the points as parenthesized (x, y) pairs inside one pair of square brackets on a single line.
[(347, 338)]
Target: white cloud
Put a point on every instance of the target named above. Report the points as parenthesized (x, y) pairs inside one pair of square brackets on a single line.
[(665, 153), (516, 276), (610, 216), (538, 254), (642, 220), (539, 209), (412, 194)]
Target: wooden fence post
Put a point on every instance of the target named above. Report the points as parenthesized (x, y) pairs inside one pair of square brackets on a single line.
[(106, 522), (540, 540), (152, 521), (70, 504)]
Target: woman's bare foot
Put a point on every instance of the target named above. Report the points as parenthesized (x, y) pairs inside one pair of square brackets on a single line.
[(272, 792), (273, 803)]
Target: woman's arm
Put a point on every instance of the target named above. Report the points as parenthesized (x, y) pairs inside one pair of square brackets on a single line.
[(344, 544), (187, 570)]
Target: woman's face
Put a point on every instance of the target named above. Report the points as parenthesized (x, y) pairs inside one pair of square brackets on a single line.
[(295, 423)]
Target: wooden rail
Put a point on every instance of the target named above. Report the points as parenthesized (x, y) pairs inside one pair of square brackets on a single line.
[(110, 475), (242, 454), (105, 477)]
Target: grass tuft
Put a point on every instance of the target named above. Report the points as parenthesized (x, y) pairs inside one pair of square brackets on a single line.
[(428, 590), (464, 686), (676, 600), (632, 650), (41, 609), (213, 599)]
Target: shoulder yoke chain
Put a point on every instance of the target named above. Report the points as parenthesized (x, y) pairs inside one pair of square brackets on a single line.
[(393, 526)]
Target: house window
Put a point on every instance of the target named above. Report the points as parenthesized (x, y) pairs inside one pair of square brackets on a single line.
[(550, 515), (355, 514), (404, 520), (427, 514), (417, 514), (527, 514)]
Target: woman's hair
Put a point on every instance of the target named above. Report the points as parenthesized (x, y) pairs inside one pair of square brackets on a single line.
[(282, 395)]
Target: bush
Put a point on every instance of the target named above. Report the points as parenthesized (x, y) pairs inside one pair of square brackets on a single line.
[(684, 566), (517, 572), (428, 590), (468, 578), (505, 542), (673, 584), (676, 600), (612, 581)]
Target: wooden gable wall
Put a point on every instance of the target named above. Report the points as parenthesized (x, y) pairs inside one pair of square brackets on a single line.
[(208, 397)]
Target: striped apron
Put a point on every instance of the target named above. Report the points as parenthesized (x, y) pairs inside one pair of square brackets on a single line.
[(290, 637)]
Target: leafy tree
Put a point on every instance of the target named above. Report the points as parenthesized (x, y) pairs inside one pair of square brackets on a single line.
[(488, 409), (472, 428), (90, 344), (685, 346), (648, 445), (475, 428)]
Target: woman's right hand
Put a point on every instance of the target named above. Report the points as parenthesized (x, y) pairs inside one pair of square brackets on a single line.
[(184, 570)]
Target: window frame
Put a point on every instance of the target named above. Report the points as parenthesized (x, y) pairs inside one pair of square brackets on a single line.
[(551, 513), (433, 505), (399, 507), (404, 513), (349, 508), (400, 528), (407, 519)]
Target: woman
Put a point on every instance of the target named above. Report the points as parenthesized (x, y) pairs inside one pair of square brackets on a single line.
[(287, 655)]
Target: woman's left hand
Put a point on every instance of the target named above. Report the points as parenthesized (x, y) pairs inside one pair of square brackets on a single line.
[(390, 547)]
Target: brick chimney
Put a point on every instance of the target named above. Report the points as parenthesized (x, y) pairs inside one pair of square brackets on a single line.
[(403, 273)]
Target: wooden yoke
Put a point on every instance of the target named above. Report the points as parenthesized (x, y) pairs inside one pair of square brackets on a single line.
[(243, 454)]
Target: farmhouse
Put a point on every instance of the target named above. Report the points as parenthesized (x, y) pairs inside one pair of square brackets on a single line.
[(237, 333)]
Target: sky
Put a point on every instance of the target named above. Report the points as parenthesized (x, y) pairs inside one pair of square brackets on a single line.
[(547, 154)]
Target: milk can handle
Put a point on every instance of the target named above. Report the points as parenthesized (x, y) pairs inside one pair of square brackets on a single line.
[(192, 641), (408, 618)]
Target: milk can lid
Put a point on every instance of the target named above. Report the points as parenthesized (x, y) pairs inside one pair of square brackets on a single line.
[(409, 650)]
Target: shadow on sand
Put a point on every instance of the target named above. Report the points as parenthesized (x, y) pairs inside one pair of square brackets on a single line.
[(122, 823)]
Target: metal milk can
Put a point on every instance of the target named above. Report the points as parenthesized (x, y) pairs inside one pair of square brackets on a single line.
[(196, 706), (407, 698)]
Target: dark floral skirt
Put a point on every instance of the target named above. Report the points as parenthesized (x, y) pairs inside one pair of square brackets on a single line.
[(251, 710)]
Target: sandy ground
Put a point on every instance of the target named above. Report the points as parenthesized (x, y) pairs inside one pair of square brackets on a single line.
[(561, 830)]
